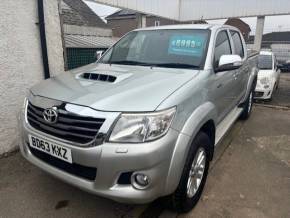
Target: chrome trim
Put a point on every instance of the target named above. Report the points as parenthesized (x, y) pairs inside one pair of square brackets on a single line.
[(43, 102), (136, 185), (50, 115)]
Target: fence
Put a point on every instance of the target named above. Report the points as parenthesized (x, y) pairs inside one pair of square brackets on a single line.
[(77, 57)]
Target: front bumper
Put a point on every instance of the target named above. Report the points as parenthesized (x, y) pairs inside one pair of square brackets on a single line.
[(152, 159), (262, 93)]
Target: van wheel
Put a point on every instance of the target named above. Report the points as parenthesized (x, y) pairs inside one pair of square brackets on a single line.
[(247, 109), (194, 175)]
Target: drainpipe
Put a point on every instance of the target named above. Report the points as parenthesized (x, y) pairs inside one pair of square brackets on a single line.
[(41, 24), (64, 54)]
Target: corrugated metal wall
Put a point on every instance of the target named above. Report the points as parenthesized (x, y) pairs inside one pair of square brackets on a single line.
[(214, 9), (282, 52), (162, 8), (186, 10)]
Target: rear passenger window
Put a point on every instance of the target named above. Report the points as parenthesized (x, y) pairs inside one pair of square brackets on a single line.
[(222, 47), (239, 50)]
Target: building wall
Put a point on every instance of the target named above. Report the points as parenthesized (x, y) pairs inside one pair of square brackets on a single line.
[(86, 30), (121, 26), (282, 52), (20, 58), (150, 21)]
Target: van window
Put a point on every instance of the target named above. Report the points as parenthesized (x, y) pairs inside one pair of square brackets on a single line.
[(222, 47), (239, 50)]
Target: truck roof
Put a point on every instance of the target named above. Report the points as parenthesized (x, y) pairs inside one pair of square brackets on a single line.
[(266, 53), (187, 26)]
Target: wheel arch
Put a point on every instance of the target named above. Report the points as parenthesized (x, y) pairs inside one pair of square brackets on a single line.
[(252, 82), (209, 129), (202, 119)]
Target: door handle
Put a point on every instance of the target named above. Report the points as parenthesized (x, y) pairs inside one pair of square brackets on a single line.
[(236, 75), (219, 85)]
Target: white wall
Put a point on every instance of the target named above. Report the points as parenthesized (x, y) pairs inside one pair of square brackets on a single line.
[(20, 58)]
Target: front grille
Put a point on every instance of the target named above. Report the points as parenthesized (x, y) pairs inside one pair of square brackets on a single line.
[(259, 94), (70, 127), (85, 172)]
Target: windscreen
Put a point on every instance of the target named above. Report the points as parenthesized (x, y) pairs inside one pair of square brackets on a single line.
[(163, 48), (265, 62)]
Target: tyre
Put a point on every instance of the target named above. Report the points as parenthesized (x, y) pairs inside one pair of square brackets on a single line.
[(247, 108), (194, 175)]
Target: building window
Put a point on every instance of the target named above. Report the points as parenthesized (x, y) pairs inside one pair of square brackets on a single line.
[(157, 22)]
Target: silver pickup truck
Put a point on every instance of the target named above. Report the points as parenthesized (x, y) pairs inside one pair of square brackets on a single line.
[(144, 120)]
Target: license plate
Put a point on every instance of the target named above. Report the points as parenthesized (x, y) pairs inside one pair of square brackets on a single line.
[(51, 148)]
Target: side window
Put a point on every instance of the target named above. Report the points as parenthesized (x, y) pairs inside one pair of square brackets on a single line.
[(239, 50), (222, 46)]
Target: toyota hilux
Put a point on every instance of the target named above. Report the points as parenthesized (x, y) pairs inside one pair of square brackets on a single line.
[(142, 122)]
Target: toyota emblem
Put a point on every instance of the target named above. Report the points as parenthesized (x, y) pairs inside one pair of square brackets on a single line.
[(50, 115)]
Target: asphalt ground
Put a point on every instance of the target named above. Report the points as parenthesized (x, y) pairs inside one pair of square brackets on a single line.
[(249, 177)]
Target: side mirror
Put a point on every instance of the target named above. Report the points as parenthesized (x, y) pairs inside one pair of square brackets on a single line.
[(229, 62), (98, 54)]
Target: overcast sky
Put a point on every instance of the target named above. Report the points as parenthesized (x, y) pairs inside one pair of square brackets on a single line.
[(272, 23)]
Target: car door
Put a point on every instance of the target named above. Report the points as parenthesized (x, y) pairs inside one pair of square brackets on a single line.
[(223, 82), (241, 74)]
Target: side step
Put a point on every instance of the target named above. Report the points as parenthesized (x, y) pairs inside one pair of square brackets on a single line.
[(227, 123)]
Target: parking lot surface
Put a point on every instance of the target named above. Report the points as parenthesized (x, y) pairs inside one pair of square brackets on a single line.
[(250, 177)]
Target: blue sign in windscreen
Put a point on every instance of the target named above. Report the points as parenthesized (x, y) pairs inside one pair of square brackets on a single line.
[(185, 44)]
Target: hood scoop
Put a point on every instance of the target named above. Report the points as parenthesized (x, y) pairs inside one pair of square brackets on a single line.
[(98, 77)]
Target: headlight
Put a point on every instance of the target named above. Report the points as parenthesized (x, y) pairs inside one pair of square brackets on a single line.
[(265, 80), (142, 127)]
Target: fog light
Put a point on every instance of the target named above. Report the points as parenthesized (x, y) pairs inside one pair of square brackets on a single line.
[(140, 181)]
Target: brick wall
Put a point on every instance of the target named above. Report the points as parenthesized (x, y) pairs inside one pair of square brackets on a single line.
[(124, 25)]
